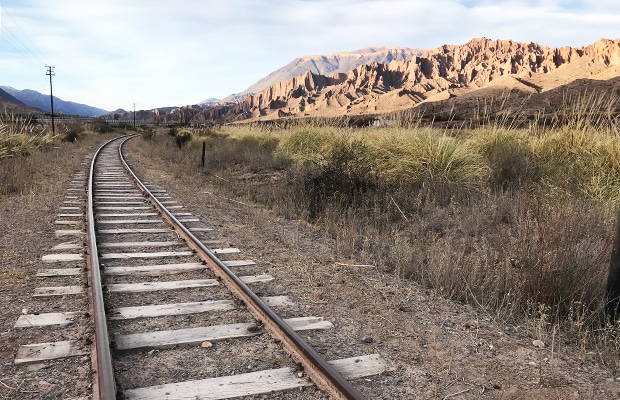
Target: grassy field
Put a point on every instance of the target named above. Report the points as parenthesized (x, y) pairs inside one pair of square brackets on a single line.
[(517, 221)]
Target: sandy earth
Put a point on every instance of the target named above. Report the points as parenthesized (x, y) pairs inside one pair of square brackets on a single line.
[(436, 349)]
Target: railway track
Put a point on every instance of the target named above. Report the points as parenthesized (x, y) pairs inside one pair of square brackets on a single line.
[(175, 312)]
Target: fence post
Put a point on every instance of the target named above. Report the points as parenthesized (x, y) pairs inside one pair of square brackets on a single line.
[(204, 150), (612, 304)]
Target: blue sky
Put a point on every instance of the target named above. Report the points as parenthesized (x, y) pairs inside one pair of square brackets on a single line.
[(165, 53)]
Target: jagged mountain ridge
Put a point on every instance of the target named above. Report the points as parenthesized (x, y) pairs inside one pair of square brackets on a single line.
[(41, 101), (438, 74), (327, 64)]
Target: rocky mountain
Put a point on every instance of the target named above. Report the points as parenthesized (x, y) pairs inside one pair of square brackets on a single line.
[(41, 101), (446, 74), (327, 64)]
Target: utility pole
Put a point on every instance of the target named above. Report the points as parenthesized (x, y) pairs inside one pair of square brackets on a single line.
[(50, 72), (134, 116)]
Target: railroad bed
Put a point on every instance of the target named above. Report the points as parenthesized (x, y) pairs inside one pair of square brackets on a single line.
[(175, 311)]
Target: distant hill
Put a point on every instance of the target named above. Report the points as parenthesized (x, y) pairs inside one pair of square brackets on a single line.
[(41, 101), (10, 104), (7, 97)]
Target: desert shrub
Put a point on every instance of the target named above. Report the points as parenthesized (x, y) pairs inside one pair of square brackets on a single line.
[(511, 160), (182, 137), (341, 179), (71, 131), (100, 125), (148, 134), (245, 155), (269, 142)]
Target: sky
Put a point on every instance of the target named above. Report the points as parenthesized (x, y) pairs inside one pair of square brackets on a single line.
[(154, 53)]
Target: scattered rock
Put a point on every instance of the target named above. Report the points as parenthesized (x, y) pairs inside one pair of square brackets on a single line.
[(367, 339), (538, 343)]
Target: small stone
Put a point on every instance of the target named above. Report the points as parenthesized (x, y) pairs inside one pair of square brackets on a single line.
[(24, 311), (538, 343), (206, 344), (367, 339), (300, 374), (36, 367), (532, 363)]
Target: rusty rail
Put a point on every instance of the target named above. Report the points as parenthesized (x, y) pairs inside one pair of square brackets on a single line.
[(104, 386)]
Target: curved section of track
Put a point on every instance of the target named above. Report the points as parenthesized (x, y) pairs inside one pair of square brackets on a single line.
[(110, 159)]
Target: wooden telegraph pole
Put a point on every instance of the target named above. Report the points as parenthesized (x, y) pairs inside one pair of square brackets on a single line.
[(50, 72)]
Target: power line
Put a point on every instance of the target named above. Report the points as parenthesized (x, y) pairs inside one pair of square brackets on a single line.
[(12, 34)]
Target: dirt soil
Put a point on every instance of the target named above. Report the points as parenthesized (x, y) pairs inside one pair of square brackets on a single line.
[(436, 349)]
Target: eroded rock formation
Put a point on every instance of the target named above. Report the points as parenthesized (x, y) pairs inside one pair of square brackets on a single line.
[(444, 72)]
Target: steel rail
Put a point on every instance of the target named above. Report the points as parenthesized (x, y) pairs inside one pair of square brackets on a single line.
[(104, 386), (314, 365)]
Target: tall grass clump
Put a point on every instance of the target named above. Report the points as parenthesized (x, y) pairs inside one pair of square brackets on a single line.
[(411, 156), (589, 111), (20, 136), (508, 155), (307, 145)]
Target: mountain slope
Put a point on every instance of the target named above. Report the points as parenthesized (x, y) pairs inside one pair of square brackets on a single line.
[(327, 64), (5, 96), (42, 101), (449, 72), (9, 104)]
